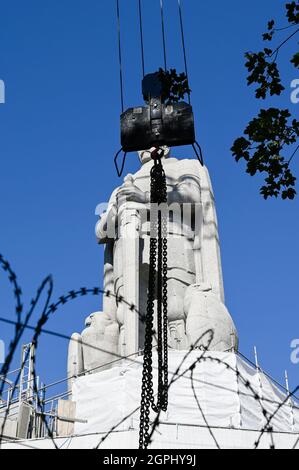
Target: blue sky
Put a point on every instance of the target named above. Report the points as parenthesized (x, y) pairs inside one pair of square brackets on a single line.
[(59, 131)]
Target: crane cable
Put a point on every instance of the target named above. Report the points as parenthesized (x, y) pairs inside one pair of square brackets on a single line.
[(142, 44), (141, 37), (120, 57), (163, 34), (183, 44)]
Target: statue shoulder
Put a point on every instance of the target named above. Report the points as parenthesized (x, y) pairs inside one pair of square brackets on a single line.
[(191, 165), (180, 170)]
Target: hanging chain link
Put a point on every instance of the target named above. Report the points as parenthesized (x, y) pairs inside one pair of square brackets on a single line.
[(157, 289)]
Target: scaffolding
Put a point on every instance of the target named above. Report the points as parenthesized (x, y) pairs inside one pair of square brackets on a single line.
[(25, 410)]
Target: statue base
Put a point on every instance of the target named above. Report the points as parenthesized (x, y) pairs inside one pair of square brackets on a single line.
[(225, 393), (221, 407)]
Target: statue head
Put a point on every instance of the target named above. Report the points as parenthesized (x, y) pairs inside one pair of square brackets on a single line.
[(145, 155)]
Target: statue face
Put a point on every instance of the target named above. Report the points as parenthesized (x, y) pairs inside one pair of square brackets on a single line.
[(145, 155)]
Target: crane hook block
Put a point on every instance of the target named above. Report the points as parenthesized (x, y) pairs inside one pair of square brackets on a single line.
[(158, 123)]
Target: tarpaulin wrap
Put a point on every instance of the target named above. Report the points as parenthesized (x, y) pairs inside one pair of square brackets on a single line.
[(112, 397)]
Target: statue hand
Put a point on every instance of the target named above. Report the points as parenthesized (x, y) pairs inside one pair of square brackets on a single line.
[(131, 193)]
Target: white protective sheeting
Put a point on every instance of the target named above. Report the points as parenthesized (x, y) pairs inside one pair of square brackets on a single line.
[(230, 393)]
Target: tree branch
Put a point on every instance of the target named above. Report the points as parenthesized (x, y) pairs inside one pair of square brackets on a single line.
[(285, 41), (294, 153)]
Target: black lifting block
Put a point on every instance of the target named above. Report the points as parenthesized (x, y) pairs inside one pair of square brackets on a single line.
[(157, 124)]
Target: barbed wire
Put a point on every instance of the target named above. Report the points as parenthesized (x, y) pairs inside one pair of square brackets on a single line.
[(270, 418), (201, 410), (20, 327), (177, 375), (156, 421), (49, 308), (5, 265), (129, 357)]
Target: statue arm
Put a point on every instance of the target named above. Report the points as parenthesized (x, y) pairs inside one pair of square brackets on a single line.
[(106, 228)]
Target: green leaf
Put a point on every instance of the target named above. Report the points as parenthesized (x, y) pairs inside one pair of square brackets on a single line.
[(264, 72), (175, 86), (295, 60), (293, 12), (271, 25), (267, 137)]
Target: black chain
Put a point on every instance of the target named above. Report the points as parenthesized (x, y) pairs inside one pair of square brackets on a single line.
[(157, 288)]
